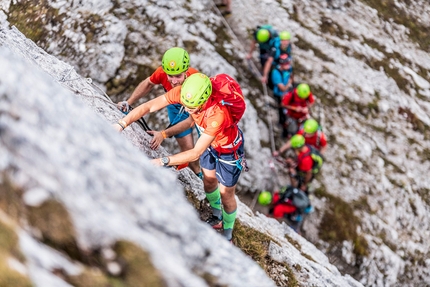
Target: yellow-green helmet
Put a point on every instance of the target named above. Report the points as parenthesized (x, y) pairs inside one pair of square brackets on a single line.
[(175, 61), (303, 91), (285, 35), (310, 126), (297, 141), (196, 90), (265, 197), (262, 36)]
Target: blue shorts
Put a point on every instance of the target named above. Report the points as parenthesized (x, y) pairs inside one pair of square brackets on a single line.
[(173, 111), (226, 173)]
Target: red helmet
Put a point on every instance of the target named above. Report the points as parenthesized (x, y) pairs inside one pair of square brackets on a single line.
[(284, 59)]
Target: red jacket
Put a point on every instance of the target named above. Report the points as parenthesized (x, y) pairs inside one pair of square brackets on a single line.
[(292, 99)]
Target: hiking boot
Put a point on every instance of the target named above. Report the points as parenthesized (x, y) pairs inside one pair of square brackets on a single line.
[(221, 5), (309, 209), (226, 13), (296, 218), (215, 222)]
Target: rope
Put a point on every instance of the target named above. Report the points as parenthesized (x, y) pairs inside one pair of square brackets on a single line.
[(269, 115), (141, 122)]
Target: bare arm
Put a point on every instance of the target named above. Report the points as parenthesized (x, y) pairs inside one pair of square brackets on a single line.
[(141, 90), (323, 150), (193, 154), (266, 69), (171, 131), (286, 146), (285, 88), (251, 49), (145, 108)]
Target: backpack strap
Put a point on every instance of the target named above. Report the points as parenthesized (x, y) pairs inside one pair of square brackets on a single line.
[(318, 138)]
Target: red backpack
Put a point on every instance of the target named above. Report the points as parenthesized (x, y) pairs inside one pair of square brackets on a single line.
[(229, 94)]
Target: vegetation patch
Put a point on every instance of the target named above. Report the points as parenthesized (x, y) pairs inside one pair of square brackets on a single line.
[(252, 242), (424, 193), (212, 281), (392, 72), (294, 242), (10, 199), (32, 17), (117, 85), (138, 270), (93, 277), (308, 257), (330, 27), (417, 124), (339, 223), (361, 204), (9, 248), (255, 244), (55, 225)]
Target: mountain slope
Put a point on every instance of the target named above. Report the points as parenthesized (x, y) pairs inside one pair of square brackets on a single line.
[(367, 63)]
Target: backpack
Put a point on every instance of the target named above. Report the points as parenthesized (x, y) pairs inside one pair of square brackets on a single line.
[(319, 132), (317, 158), (297, 196), (295, 99), (229, 94)]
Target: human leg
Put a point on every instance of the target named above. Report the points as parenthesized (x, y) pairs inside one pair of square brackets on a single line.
[(212, 191), (230, 207), (227, 7), (228, 170)]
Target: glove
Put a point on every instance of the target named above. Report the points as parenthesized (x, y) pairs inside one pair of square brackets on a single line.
[(124, 107)]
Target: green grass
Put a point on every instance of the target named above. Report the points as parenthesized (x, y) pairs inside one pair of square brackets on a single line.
[(31, 18), (255, 244), (138, 268), (339, 223), (56, 227), (8, 248)]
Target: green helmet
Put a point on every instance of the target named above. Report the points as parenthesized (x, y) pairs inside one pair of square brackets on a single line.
[(297, 141), (196, 90), (265, 198), (303, 91), (285, 35), (175, 61), (310, 126), (262, 36)]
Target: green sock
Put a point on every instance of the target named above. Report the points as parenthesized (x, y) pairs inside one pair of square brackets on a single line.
[(214, 199), (228, 220)]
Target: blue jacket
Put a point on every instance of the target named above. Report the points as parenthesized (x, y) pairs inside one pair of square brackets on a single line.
[(274, 40), (276, 52), (278, 77)]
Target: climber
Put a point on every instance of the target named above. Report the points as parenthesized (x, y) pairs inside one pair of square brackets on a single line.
[(297, 103), (282, 83), (173, 71), (266, 37), (289, 203), (216, 105), (276, 52), (313, 134)]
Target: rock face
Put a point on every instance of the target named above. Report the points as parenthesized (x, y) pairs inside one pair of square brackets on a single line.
[(366, 61), (59, 159)]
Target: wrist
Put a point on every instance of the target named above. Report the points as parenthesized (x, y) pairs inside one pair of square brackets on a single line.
[(163, 133), (122, 124), (165, 161)]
